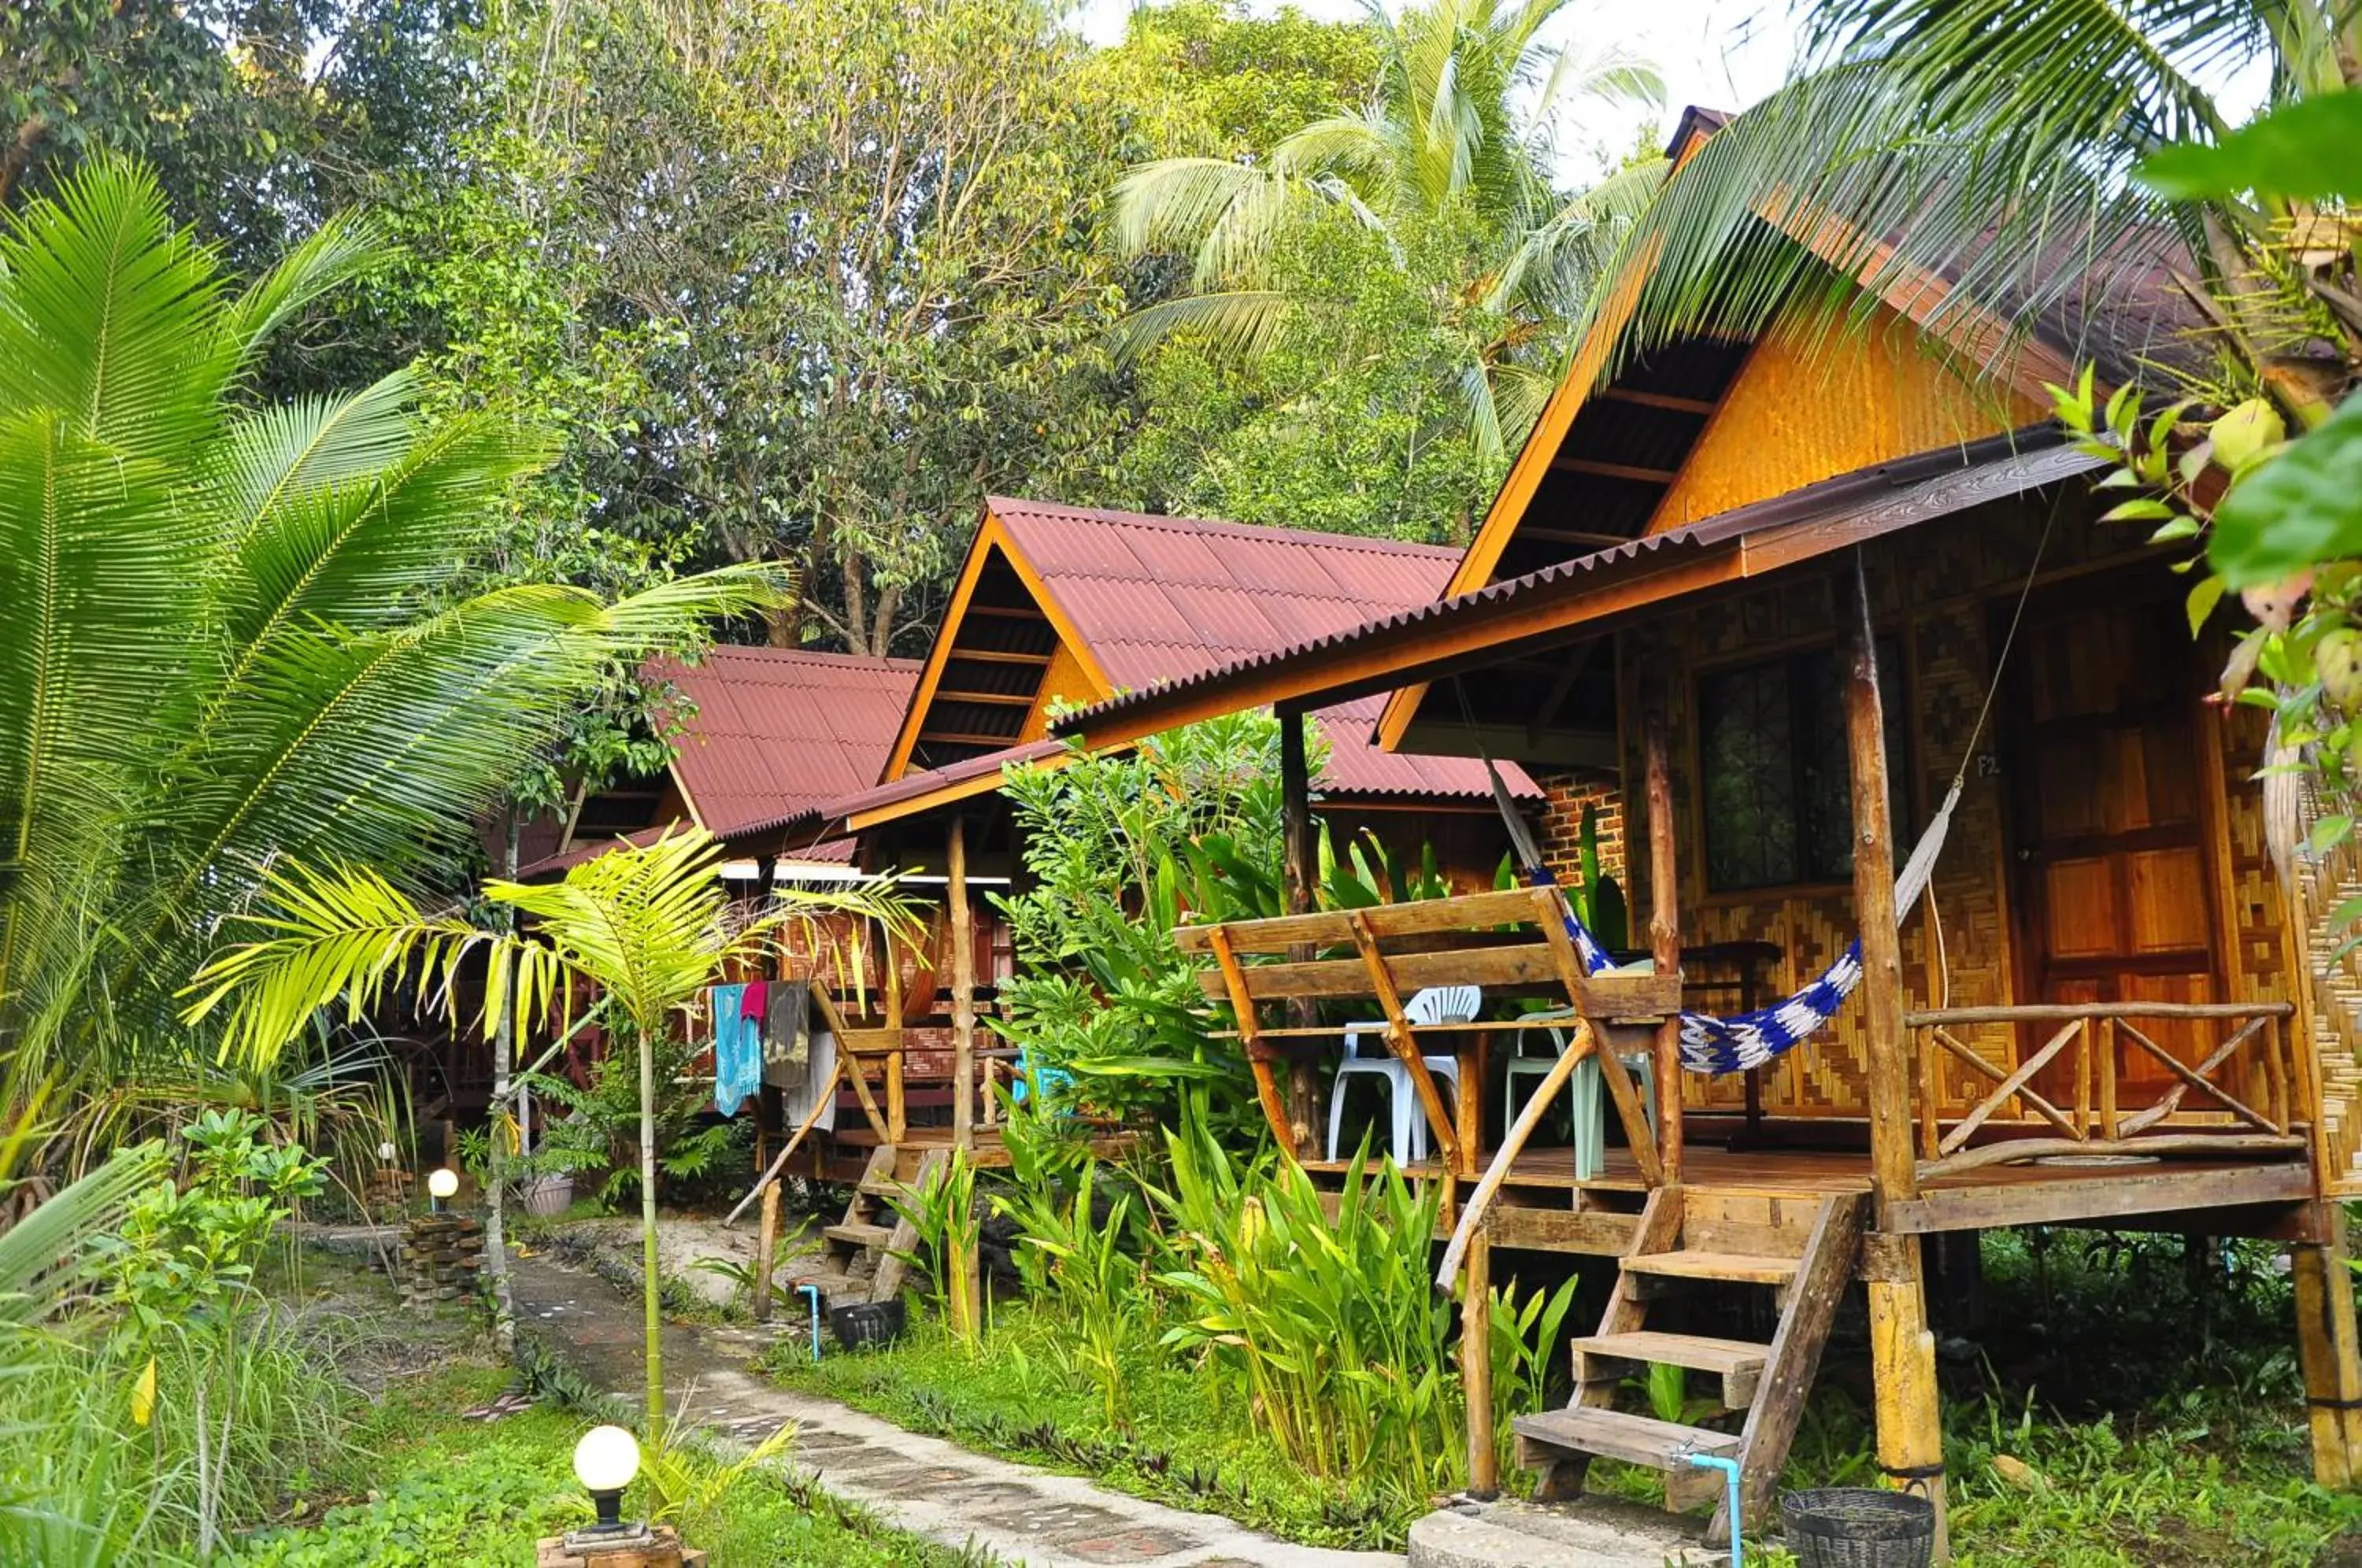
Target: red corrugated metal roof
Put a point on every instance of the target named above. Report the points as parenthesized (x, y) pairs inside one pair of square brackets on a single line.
[(1921, 488), (1157, 600), (779, 730)]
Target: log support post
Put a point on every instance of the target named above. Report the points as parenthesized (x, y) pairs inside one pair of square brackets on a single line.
[(963, 923), (898, 1103), (1903, 1350), (1665, 923), (1300, 875), (1476, 1364), (2327, 1345), (766, 1245)]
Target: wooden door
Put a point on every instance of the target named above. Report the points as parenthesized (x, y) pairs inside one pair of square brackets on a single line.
[(2111, 831)]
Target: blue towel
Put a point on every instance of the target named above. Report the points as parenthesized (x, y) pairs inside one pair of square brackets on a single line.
[(737, 1050)]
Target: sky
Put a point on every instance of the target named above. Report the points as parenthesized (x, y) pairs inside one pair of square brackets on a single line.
[(1722, 54)]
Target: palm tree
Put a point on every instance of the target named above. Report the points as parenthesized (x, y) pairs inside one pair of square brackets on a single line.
[(239, 633), (1993, 143), (1443, 137), (646, 928)]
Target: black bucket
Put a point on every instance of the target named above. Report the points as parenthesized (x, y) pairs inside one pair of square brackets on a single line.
[(868, 1323), (1859, 1527)]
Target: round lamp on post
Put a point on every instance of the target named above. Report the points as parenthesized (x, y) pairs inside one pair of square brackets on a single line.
[(605, 1460), (441, 1187)]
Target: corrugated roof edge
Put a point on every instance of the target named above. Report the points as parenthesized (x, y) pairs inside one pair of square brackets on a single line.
[(1002, 506), (1807, 504)]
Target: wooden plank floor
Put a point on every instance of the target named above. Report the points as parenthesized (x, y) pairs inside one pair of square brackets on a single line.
[(2054, 1192)]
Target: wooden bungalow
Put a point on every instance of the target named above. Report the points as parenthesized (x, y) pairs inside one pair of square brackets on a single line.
[(1058, 605), (1788, 591)]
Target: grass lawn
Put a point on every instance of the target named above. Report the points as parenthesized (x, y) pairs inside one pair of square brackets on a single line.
[(2121, 1403), (1170, 1441), (426, 1488)]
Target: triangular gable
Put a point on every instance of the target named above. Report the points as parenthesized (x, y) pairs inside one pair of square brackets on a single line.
[(1708, 426), (1004, 652)]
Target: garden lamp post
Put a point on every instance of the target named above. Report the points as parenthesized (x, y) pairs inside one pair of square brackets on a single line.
[(441, 1187), (604, 1462)]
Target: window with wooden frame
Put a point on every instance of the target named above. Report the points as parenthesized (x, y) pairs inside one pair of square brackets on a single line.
[(1774, 794)]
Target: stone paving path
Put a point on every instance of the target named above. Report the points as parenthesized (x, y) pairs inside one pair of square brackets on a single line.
[(922, 1484)]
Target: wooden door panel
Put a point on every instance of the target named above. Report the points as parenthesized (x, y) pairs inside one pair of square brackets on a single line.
[(2113, 892), (2165, 908), (2080, 897)]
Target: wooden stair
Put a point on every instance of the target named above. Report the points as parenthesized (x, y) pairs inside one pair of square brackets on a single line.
[(861, 1256), (1693, 1242)]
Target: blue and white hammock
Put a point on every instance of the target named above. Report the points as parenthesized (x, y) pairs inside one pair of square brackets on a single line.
[(1711, 1044)]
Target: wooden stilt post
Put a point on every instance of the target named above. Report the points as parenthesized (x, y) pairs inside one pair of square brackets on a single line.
[(767, 1242), (1902, 1348), (1664, 924), (1295, 824), (1476, 1364), (962, 987), (962, 1028), (898, 1103), (2327, 1345)]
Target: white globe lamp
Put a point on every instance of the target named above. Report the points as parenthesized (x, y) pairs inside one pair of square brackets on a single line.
[(442, 1187), (605, 1460)]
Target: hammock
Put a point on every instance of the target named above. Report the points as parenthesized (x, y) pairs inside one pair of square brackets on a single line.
[(1711, 1044)]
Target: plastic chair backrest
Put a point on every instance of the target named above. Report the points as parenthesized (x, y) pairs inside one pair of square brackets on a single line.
[(1444, 1004)]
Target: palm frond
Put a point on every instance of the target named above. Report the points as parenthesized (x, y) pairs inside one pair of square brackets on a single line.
[(39, 1255), (1985, 142), (333, 255), (94, 567), (108, 315), (1241, 324)]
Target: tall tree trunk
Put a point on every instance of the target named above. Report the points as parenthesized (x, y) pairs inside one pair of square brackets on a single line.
[(652, 1318), (496, 1256)]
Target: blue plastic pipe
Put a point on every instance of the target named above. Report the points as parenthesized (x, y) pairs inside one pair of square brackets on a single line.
[(1729, 1468), (813, 1291)]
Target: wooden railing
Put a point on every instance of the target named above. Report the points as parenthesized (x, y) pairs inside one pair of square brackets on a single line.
[(2247, 1076)]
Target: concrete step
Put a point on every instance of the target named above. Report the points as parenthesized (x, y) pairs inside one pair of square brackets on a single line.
[(1592, 1533)]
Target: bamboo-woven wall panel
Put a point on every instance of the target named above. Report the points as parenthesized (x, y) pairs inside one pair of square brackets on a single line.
[(1805, 409), (1935, 592)]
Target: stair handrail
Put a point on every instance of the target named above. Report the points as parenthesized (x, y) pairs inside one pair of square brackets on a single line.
[(1537, 1105)]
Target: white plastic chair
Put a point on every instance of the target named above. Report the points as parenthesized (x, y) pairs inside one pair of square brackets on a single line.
[(1436, 1004), (1585, 1106)]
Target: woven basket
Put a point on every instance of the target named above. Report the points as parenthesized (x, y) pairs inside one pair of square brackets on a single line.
[(1859, 1527), (868, 1322)]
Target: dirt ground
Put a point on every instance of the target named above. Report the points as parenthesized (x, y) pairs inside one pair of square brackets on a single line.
[(683, 1242)]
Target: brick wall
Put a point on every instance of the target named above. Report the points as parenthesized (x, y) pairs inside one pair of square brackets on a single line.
[(1558, 822)]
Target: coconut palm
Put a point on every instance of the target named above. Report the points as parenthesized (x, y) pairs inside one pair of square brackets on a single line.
[(1993, 143), (645, 929), (239, 632), (1441, 138)]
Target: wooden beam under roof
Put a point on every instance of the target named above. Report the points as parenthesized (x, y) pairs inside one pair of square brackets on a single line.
[(995, 699), (1001, 656), (967, 737), (1592, 466), (1656, 400)]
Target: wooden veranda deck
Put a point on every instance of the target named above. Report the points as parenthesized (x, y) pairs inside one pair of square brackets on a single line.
[(1543, 1208)]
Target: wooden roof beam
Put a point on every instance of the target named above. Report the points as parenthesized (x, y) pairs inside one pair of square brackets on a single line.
[(1657, 400), (1008, 612), (999, 655), (966, 737), (1613, 471), (995, 699)]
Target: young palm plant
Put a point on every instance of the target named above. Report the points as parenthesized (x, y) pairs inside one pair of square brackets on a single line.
[(645, 929), (1443, 136), (239, 633)]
